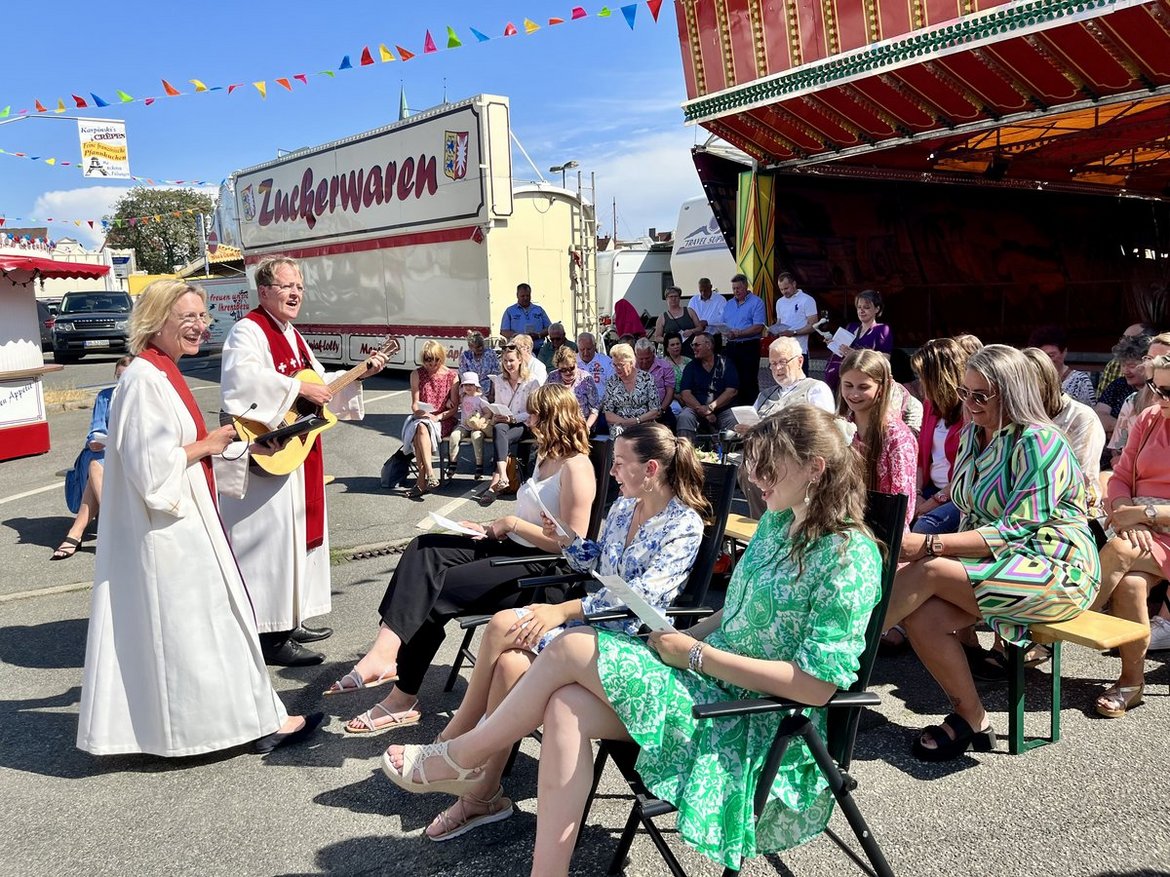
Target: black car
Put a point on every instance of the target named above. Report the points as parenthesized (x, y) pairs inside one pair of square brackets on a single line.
[(91, 322), (45, 319)]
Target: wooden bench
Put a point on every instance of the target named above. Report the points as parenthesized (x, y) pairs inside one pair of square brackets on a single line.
[(740, 528), (1093, 630)]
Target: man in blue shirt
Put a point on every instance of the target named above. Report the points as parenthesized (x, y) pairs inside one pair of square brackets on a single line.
[(525, 318), (707, 390), (745, 320)]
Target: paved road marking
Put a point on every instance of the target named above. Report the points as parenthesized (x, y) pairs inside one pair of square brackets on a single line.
[(447, 511), (373, 399), (32, 492), (42, 592)]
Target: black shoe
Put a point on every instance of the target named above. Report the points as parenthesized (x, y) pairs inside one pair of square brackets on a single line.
[(292, 654), (266, 744), (311, 634), (987, 665)]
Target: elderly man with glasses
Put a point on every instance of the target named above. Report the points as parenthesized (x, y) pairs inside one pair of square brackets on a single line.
[(277, 523)]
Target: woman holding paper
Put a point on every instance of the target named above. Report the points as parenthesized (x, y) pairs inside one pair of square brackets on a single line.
[(510, 391), (793, 626), (443, 575), (649, 539), (434, 410), (630, 394), (867, 332)]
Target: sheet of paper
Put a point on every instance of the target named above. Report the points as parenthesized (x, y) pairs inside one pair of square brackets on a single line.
[(562, 530), (453, 526), (719, 329), (841, 340), (745, 414), (777, 328), (497, 408), (637, 604), (425, 407)]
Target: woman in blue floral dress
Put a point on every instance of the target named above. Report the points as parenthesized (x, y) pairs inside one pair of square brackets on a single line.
[(793, 625), (650, 538)]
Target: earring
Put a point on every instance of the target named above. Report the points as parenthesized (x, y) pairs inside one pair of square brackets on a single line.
[(808, 491)]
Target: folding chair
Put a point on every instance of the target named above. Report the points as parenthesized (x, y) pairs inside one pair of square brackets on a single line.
[(601, 456), (885, 515)]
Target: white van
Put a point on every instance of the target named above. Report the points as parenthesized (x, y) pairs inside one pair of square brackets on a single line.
[(700, 250), (640, 275)]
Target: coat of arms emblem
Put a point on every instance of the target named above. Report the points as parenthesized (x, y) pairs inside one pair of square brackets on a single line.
[(455, 155)]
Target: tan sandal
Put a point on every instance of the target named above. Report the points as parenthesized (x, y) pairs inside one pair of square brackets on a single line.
[(498, 807), (1117, 700), (414, 760), (369, 725)]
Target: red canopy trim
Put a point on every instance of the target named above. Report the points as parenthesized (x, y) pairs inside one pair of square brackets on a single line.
[(51, 269)]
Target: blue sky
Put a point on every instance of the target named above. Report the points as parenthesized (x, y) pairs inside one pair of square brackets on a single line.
[(591, 90)]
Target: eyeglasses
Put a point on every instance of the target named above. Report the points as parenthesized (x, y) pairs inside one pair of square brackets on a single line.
[(288, 287), (783, 363), (188, 319), (976, 396), (1160, 392), (568, 372)]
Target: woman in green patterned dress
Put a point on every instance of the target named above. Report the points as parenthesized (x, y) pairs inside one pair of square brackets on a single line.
[(793, 625), (1023, 552)]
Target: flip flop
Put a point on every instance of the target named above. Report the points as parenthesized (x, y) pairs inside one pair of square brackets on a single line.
[(63, 553), (397, 720), (356, 683)]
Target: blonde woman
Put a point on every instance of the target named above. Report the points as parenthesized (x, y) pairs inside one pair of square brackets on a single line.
[(630, 394), (433, 413), (511, 388)]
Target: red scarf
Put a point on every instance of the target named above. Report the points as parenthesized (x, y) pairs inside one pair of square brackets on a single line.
[(168, 367), (288, 364)]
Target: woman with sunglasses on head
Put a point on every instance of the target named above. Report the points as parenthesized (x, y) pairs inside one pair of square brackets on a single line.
[(1137, 557), (793, 626), (1023, 552), (566, 372), (434, 409), (510, 388), (441, 575)]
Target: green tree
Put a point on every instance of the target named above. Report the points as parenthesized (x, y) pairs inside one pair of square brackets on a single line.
[(160, 225)]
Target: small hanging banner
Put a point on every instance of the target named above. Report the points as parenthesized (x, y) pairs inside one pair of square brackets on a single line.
[(103, 149), (630, 12)]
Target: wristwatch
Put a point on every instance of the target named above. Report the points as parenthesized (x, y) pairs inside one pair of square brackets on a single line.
[(1151, 512), (934, 546)]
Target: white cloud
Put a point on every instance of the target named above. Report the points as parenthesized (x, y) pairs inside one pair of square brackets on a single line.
[(90, 202)]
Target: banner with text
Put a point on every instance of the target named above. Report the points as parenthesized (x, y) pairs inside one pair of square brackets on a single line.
[(103, 149)]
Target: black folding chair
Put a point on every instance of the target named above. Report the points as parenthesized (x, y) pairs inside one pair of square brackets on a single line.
[(886, 516), (601, 456)]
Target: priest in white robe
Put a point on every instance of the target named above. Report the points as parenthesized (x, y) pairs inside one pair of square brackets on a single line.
[(278, 524)]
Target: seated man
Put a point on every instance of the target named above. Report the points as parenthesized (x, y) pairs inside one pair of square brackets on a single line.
[(708, 389), (646, 359), (556, 340)]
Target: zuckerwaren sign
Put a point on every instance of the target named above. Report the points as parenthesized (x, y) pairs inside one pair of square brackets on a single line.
[(423, 173)]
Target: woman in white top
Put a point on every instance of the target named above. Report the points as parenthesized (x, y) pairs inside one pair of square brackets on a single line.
[(442, 575), (511, 388)]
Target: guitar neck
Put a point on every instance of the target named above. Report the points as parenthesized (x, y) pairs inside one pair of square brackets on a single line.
[(340, 383)]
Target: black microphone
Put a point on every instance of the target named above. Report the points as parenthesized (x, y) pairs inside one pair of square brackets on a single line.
[(225, 418)]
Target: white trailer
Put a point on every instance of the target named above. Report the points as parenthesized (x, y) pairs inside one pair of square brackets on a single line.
[(414, 231), (700, 250)]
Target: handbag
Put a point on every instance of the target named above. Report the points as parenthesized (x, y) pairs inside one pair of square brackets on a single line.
[(513, 473)]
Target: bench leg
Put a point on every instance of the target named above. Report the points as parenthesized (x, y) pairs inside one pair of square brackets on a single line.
[(1056, 691), (1016, 740)]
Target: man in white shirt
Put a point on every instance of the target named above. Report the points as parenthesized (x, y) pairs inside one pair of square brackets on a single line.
[(796, 311), (707, 305), (597, 364)]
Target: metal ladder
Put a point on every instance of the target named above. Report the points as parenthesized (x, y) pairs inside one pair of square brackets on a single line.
[(583, 257)]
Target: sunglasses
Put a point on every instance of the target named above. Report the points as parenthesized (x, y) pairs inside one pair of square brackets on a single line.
[(568, 372), (976, 396), (432, 359), (1160, 392)]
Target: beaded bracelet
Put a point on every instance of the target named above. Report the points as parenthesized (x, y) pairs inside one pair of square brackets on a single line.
[(695, 660)]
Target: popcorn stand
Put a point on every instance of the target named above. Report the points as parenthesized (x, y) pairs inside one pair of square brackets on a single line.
[(24, 426)]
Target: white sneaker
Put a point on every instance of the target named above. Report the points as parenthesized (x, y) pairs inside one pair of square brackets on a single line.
[(1159, 634)]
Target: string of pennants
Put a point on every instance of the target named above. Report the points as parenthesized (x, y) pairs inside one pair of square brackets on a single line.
[(105, 224), (629, 13), (144, 181)]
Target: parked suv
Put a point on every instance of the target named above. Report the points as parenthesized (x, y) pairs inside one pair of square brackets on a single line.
[(45, 318), (89, 322)]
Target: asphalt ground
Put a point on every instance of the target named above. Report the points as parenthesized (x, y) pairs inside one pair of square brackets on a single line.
[(1094, 804)]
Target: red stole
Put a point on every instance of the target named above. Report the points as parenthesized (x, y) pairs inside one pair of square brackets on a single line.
[(288, 364), (168, 367)]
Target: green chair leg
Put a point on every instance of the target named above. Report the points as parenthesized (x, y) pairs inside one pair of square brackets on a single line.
[(1017, 743)]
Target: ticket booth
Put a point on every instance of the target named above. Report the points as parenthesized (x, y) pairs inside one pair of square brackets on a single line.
[(24, 425)]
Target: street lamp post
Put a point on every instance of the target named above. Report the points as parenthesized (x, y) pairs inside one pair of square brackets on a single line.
[(568, 165)]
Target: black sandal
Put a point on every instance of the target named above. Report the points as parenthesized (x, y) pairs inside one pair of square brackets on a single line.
[(947, 748), (63, 553), (987, 665)]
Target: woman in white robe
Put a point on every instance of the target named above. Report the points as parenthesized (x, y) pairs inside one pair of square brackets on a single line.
[(173, 664)]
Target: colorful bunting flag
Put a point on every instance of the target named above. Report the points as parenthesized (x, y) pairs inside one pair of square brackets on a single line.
[(579, 12), (170, 89), (60, 106), (453, 41), (199, 86), (604, 13), (234, 86), (402, 53), (123, 97), (654, 6), (552, 21), (531, 26), (5, 112), (630, 12), (40, 107), (285, 83), (148, 101), (345, 64), (97, 101), (510, 30), (79, 102), (429, 46), (482, 37), (367, 58), (301, 78), (262, 87), (385, 53)]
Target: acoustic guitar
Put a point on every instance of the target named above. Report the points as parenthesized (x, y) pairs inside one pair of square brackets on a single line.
[(293, 454)]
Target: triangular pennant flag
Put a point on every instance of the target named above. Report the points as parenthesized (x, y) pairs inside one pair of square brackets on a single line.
[(60, 106), (367, 58), (579, 12), (482, 37), (133, 220), (4, 113), (556, 21), (301, 78), (630, 12), (148, 101), (429, 44), (97, 101), (170, 89), (123, 97), (179, 213), (157, 218), (531, 26), (654, 6), (402, 53), (90, 221), (284, 82), (453, 41), (384, 53), (77, 222), (40, 107), (510, 30), (50, 161), (604, 13), (345, 64), (234, 86), (79, 102), (328, 73), (199, 86), (2, 221), (262, 87)]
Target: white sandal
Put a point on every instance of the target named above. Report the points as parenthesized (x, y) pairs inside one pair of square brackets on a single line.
[(453, 829), (413, 758), (397, 720), (356, 683)]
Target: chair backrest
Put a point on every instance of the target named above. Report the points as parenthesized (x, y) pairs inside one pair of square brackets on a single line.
[(601, 456), (719, 488), (885, 515)]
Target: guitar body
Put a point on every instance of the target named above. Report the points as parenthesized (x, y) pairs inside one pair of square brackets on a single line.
[(293, 454)]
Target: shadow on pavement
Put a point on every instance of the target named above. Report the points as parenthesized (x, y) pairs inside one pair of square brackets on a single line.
[(54, 645), (47, 532)]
